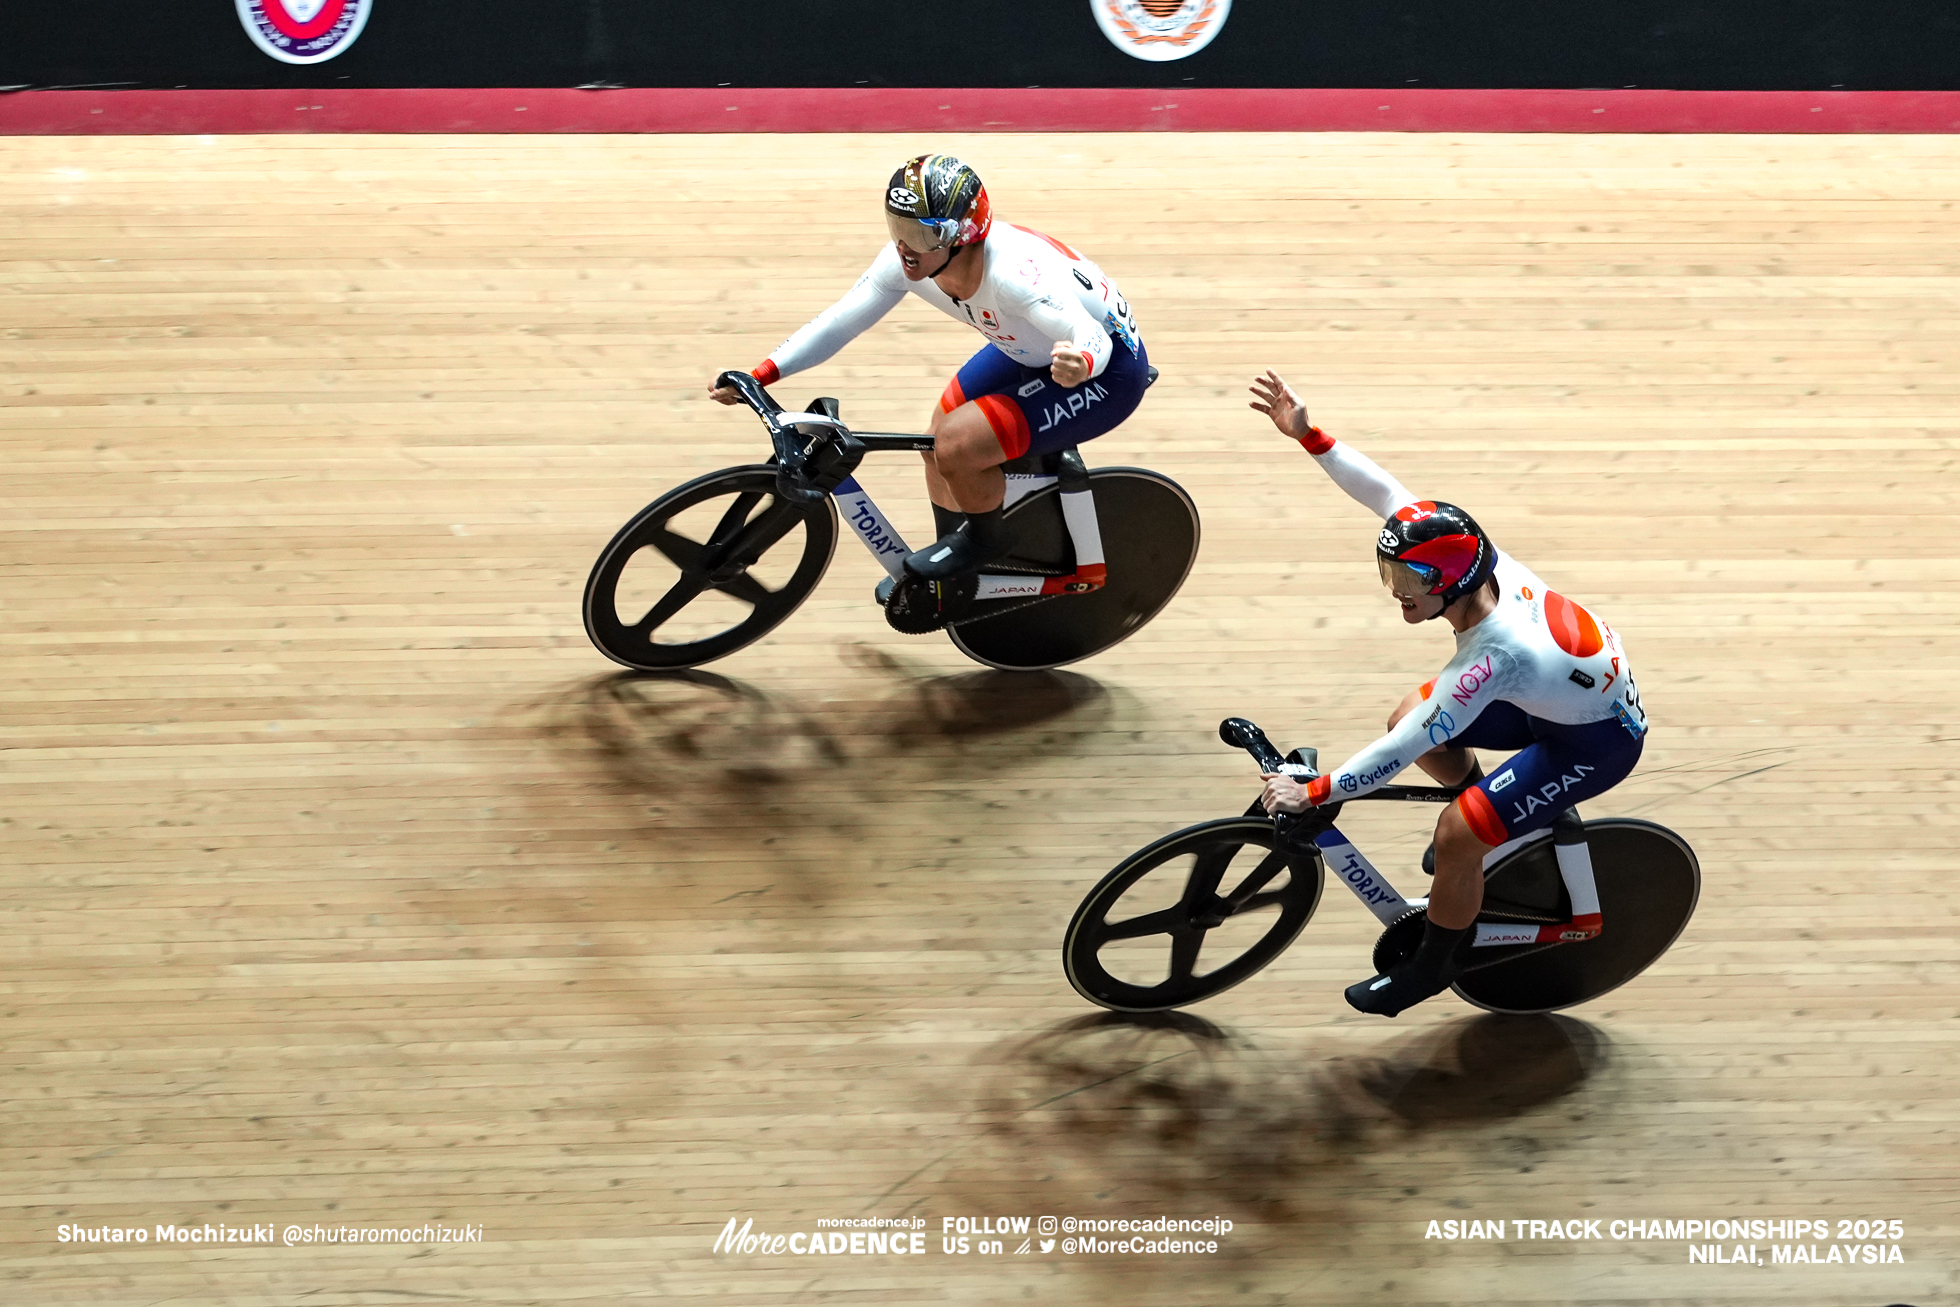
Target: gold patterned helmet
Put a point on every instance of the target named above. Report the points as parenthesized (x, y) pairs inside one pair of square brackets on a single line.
[(935, 202)]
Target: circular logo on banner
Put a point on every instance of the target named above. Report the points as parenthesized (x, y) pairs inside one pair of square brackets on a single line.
[(303, 31), (1159, 30)]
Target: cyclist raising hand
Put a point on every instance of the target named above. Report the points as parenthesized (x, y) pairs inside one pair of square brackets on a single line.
[(1533, 672), (1064, 362)]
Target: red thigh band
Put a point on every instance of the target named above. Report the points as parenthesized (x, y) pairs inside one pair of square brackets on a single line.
[(951, 397), (1009, 423), (1482, 819)]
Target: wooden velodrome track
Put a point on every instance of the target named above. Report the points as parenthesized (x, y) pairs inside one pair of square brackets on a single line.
[(345, 884)]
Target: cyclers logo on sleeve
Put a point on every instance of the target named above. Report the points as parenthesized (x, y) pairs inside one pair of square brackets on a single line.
[(1160, 30), (303, 31), (1349, 782)]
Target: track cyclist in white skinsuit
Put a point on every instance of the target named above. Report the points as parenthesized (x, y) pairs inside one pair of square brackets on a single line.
[(1533, 672), (1064, 364)]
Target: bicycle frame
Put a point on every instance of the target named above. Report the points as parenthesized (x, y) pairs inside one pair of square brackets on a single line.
[(888, 547), (815, 439), (1352, 868)]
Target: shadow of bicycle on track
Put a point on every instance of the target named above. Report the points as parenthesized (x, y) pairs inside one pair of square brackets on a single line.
[(1176, 1112), (874, 776), (695, 729)]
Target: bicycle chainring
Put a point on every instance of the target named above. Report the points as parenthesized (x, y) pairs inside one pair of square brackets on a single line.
[(917, 607), (1399, 942)]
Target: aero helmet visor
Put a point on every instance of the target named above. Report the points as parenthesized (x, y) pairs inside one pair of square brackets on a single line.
[(923, 235), (1408, 578)]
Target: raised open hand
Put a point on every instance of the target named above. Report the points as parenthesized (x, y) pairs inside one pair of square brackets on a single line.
[(1277, 400)]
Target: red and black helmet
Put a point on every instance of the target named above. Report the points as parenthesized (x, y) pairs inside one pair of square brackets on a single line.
[(935, 202), (1433, 548)]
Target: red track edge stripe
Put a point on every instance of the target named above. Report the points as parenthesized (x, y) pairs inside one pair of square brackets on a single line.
[(1024, 109)]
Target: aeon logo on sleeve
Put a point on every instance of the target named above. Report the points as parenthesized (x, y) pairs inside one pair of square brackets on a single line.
[(303, 31), (1160, 30)]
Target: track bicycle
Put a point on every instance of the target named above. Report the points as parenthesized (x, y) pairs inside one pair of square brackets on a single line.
[(1096, 553), (1569, 913)]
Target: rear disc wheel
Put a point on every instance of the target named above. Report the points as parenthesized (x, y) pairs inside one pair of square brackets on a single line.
[(1149, 529), (1649, 882)]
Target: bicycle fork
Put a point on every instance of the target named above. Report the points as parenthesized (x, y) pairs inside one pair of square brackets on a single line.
[(878, 535)]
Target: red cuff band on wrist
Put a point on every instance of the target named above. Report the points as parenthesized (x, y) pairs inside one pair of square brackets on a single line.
[(1317, 441), (1318, 789), (766, 372)]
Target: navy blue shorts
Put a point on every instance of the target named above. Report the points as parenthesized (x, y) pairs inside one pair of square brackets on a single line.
[(1031, 414), (1555, 767)]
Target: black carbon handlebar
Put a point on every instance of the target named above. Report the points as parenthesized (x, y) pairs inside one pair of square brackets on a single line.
[(808, 468), (1240, 733), (753, 394)]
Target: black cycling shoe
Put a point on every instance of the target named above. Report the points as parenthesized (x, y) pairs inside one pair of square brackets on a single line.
[(1400, 988), (946, 520), (953, 554), (965, 549), (1438, 962)]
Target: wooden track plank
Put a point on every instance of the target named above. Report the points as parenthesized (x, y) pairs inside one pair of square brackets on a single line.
[(342, 881)]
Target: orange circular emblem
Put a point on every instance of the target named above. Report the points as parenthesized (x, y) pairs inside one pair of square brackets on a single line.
[(1160, 30)]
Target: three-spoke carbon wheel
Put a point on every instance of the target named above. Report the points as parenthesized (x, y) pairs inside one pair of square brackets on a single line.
[(705, 569), (1190, 916)]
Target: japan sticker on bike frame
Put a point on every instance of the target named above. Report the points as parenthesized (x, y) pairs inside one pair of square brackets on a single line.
[(1160, 30), (303, 31)]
